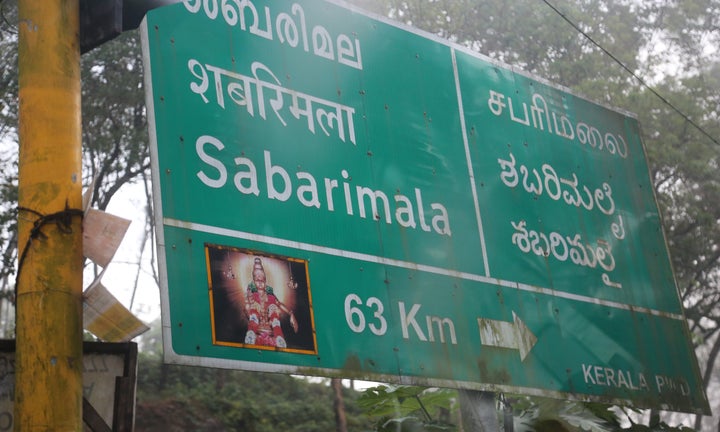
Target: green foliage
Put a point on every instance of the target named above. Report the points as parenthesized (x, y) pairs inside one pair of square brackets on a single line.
[(551, 414), (662, 426), (530, 35), (409, 408), (419, 409), (173, 397), (535, 414)]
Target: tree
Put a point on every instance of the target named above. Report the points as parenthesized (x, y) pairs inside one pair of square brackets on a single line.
[(178, 398), (115, 141), (530, 35), (8, 167), (410, 408)]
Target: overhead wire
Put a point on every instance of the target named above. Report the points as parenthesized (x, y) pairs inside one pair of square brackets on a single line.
[(632, 73)]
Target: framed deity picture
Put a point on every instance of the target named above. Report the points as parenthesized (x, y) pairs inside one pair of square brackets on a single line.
[(260, 301)]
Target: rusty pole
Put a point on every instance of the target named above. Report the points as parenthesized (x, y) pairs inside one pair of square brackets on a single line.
[(48, 392)]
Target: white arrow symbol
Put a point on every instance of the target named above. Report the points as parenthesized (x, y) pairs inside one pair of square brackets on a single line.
[(502, 334)]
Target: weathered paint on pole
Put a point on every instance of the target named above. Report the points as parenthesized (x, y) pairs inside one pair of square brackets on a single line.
[(49, 288)]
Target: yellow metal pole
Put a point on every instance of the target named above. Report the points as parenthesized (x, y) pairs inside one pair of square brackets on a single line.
[(48, 386)]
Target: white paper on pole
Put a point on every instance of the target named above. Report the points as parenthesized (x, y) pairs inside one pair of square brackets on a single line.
[(105, 317), (102, 235)]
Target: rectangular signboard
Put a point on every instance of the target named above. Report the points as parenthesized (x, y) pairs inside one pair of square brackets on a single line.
[(109, 372), (339, 195)]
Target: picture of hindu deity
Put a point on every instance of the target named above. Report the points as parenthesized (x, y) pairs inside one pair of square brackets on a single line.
[(264, 311), (259, 300)]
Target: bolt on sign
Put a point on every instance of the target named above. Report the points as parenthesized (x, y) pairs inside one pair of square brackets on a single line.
[(337, 194)]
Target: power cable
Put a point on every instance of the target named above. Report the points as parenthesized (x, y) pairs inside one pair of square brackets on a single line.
[(634, 75)]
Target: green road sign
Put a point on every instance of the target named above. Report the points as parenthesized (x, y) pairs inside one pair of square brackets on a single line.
[(339, 195)]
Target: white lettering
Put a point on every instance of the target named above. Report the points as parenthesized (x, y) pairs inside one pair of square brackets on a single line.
[(404, 214), (587, 374), (408, 319), (581, 133), (610, 376), (346, 188), (669, 384), (618, 378), (440, 323), (250, 175), (421, 213), (287, 30), (329, 186), (279, 185), (622, 381), (600, 375), (310, 188), (378, 195), (270, 172), (222, 172), (334, 119), (440, 222)]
